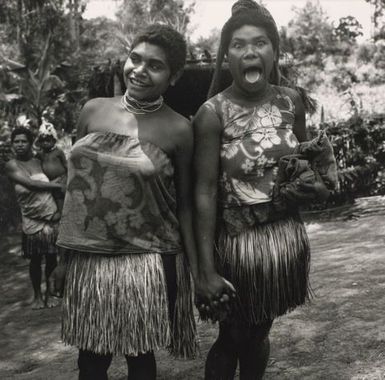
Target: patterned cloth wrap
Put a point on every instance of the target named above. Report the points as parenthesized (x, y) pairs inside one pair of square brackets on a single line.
[(120, 198), (253, 141), (37, 209), (309, 174)]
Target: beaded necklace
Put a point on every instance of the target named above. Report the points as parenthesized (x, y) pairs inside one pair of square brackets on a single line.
[(140, 107)]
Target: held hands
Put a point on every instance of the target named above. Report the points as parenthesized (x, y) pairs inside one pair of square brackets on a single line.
[(213, 297)]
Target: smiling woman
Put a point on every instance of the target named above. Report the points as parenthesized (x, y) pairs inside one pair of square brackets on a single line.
[(147, 72), (127, 218)]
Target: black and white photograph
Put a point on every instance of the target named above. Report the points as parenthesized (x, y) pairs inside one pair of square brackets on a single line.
[(192, 189)]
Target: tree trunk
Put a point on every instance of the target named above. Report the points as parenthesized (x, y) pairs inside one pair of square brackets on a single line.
[(19, 29), (73, 6)]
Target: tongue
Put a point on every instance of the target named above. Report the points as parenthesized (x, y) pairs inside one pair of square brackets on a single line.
[(252, 76)]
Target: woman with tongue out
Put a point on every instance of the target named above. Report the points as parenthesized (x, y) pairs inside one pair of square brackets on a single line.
[(244, 242)]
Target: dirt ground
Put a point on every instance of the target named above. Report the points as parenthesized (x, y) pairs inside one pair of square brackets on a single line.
[(339, 335)]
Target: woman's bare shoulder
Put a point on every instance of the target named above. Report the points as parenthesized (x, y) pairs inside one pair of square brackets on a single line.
[(98, 104)]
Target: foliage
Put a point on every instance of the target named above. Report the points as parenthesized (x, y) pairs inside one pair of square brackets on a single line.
[(135, 14), (209, 44), (37, 87), (100, 39), (309, 36), (359, 149), (26, 25), (377, 18), (9, 210), (348, 29)]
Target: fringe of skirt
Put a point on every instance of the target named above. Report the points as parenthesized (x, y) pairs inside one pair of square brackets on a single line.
[(118, 305), (268, 266), (40, 243), (183, 338)]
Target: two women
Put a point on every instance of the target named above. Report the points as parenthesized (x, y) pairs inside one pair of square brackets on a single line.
[(39, 212), (127, 213)]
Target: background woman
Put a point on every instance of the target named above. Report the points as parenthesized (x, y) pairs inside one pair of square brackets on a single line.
[(240, 135), (39, 212), (127, 216)]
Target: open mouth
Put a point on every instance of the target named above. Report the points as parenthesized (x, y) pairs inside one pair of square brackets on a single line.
[(253, 74)]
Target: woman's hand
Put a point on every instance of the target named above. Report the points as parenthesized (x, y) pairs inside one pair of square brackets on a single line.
[(213, 296)]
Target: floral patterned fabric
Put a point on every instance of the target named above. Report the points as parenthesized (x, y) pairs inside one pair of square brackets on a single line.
[(120, 197), (37, 207), (253, 140)]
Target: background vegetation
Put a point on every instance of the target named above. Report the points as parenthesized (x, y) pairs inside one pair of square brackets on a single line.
[(52, 60)]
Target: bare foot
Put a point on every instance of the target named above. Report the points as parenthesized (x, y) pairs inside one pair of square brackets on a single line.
[(52, 302), (37, 304)]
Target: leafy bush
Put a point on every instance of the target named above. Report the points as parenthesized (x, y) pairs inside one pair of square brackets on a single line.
[(359, 148)]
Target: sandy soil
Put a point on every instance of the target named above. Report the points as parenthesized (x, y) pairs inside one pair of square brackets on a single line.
[(339, 335)]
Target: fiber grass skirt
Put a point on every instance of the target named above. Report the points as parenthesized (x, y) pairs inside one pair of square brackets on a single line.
[(119, 305), (40, 243), (269, 268)]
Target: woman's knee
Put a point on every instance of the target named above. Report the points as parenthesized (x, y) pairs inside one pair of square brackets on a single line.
[(242, 335)]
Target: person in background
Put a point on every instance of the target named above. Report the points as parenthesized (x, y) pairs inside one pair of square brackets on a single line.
[(245, 243), (53, 160), (127, 219), (38, 211)]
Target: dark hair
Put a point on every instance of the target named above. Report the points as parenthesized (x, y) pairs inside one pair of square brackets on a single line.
[(252, 18), (171, 41), (246, 12), (22, 131)]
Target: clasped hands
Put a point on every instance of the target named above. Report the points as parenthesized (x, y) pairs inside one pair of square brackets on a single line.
[(214, 296)]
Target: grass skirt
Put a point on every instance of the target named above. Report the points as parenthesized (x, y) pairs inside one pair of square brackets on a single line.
[(40, 243), (118, 305), (268, 266)]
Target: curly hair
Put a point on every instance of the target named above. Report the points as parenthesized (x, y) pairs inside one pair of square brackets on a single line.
[(22, 131), (167, 38)]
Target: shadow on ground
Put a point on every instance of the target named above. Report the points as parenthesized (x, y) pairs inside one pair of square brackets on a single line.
[(340, 334)]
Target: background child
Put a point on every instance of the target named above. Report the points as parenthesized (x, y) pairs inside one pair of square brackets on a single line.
[(53, 160)]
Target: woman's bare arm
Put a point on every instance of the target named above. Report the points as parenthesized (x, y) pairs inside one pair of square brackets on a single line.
[(299, 128), (207, 142), (18, 176), (183, 183)]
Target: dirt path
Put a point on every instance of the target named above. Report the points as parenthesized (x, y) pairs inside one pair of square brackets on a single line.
[(340, 335)]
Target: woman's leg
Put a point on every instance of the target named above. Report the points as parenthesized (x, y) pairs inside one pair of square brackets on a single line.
[(254, 349), (169, 266), (141, 367), (93, 366), (35, 275), (248, 344), (50, 265), (222, 358)]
